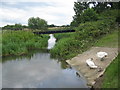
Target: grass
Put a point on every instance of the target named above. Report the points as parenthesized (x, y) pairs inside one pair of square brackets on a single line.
[(19, 42), (110, 40), (59, 36), (110, 79)]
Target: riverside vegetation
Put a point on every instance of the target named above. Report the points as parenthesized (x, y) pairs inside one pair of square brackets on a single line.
[(20, 42), (16, 41), (70, 44)]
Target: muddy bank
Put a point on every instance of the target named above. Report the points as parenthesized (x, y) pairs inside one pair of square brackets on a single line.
[(92, 75)]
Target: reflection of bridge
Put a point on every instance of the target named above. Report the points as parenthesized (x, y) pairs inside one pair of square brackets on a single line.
[(55, 31)]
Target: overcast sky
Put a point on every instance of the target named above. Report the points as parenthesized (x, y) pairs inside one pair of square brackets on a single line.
[(58, 12)]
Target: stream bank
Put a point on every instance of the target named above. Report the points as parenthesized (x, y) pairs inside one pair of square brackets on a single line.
[(79, 63)]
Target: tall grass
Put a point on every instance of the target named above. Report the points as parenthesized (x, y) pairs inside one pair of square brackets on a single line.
[(59, 36), (19, 42)]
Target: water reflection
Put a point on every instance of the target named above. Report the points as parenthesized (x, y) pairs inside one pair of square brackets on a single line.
[(51, 41), (27, 56), (39, 71)]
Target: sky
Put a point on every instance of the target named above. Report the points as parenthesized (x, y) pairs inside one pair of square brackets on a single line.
[(58, 12)]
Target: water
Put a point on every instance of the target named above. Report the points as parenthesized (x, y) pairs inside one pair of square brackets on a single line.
[(38, 70), (51, 41)]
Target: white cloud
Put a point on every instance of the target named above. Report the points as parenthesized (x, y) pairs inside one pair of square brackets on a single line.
[(58, 12)]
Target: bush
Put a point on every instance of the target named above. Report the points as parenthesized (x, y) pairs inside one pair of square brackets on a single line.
[(86, 34), (89, 15), (65, 48), (95, 29)]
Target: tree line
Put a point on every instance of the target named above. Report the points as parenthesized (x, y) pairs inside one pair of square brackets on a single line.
[(33, 24), (83, 12)]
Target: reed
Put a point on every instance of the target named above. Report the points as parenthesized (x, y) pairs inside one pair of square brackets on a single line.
[(20, 42)]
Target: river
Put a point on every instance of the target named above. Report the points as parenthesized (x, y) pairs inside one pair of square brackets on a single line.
[(39, 70)]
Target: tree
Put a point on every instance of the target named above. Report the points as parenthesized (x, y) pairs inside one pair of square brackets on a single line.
[(7, 27), (37, 23), (89, 15), (13, 27), (81, 15), (17, 27), (52, 25), (79, 7), (115, 5), (101, 6)]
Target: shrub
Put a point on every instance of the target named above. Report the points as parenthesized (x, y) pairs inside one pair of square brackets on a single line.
[(86, 34), (89, 15)]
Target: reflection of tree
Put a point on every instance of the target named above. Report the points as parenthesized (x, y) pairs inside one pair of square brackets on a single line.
[(62, 62), (31, 53), (21, 57), (77, 74), (0, 59)]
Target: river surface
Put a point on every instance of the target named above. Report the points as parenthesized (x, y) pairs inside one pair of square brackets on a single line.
[(39, 70)]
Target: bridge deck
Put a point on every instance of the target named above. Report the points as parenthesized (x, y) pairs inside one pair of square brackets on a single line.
[(51, 32)]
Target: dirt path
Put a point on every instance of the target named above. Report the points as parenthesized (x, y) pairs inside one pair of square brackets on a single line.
[(79, 63)]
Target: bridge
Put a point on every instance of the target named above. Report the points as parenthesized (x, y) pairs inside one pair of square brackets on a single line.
[(53, 31)]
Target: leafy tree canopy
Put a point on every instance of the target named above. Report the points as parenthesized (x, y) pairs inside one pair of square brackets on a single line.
[(89, 15), (37, 23), (83, 13)]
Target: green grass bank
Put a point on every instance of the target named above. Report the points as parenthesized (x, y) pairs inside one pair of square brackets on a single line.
[(110, 78), (110, 40), (20, 42)]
